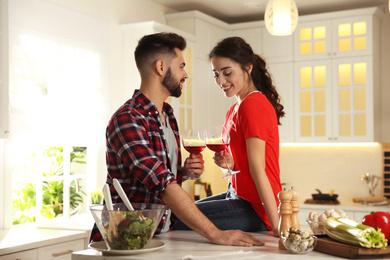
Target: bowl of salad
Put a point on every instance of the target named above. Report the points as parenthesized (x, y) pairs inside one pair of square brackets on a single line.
[(127, 230)]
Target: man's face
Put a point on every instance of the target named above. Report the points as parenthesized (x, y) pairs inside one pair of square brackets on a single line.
[(176, 75)]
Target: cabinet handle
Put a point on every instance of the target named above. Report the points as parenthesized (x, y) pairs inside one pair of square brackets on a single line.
[(62, 253)]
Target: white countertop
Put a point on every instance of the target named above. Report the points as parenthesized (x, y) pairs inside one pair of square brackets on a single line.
[(346, 205), (179, 244)]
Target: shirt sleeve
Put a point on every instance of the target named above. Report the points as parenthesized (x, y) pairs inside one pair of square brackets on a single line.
[(255, 116), (138, 148)]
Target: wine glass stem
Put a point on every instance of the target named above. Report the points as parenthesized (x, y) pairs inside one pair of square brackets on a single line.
[(227, 165)]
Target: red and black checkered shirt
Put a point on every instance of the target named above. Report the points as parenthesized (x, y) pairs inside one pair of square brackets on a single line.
[(137, 154)]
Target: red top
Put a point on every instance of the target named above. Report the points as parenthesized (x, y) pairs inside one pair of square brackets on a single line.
[(255, 117)]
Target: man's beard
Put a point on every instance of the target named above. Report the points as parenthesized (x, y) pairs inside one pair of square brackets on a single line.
[(171, 84)]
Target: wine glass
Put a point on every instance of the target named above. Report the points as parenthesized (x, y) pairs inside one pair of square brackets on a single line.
[(218, 140), (194, 142)]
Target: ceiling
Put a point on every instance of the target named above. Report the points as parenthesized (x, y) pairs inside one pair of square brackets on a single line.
[(236, 11)]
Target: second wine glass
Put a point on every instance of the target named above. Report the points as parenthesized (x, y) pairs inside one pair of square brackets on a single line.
[(194, 142), (218, 140)]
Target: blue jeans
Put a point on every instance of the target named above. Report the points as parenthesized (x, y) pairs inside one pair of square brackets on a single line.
[(228, 211)]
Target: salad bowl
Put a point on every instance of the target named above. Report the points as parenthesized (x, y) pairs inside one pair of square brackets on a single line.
[(127, 230)]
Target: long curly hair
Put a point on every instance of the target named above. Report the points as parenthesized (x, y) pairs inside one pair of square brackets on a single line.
[(241, 52)]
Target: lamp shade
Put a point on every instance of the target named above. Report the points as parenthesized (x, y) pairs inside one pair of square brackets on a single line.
[(281, 17)]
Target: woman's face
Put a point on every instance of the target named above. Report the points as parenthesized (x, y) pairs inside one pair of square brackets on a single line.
[(230, 77)]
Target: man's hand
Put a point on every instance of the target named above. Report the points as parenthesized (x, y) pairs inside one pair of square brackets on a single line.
[(235, 238), (195, 164)]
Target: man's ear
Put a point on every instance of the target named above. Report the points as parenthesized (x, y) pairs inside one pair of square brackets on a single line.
[(159, 66)]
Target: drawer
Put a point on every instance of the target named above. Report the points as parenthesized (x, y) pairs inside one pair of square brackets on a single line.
[(62, 251), (24, 255)]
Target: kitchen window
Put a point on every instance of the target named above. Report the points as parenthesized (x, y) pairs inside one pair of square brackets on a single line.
[(58, 101)]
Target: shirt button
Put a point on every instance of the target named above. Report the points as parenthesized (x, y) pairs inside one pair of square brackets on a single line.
[(156, 112), (150, 113)]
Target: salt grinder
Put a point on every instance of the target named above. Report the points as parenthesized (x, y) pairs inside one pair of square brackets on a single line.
[(285, 210), (295, 208)]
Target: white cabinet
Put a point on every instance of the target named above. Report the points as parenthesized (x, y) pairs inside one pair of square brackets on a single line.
[(25, 255), (282, 75), (351, 34), (62, 251), (336, 90), (277, 49), (335, 100)]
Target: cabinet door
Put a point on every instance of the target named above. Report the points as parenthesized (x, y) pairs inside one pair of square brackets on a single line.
[(25, 255), (353, 115), (352, 36), (253, 36), (277, 48), (282, 74), (62, 251), (313, 101), (312, 41)]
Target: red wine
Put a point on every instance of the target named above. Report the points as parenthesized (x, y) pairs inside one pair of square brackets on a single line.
[(217, 147), (194, 149)]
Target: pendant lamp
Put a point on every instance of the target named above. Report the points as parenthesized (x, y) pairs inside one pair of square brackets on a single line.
[(281, 17)]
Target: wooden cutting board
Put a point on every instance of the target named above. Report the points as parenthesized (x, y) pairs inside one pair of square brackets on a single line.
[(332, 247)]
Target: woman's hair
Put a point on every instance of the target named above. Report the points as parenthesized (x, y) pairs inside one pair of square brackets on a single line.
[(241, 52)]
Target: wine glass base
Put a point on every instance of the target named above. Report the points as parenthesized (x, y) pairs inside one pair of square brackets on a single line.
[(230, 174)]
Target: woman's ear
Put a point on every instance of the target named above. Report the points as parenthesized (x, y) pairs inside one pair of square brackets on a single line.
[(249, 68)]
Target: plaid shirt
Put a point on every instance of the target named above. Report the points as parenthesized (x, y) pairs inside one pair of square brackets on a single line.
[(137, 154)]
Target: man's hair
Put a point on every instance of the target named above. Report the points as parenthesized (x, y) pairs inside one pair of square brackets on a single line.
[(155, 46)]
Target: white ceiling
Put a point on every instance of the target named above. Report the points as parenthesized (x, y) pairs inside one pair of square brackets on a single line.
[(235, 11)]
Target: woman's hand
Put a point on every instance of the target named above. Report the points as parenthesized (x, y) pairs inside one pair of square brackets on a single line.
[(219, 159), (194, 163)]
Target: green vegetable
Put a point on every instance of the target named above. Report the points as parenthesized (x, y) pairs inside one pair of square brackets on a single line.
[(134, 232), (351, 232)]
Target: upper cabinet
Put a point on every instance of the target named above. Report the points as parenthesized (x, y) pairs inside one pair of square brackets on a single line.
[(348, 34), (336, 78)]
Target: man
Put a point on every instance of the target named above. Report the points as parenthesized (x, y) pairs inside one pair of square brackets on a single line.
[(143, 144)]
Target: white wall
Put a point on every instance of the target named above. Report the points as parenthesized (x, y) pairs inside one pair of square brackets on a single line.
[(118, 12), (330, 167)]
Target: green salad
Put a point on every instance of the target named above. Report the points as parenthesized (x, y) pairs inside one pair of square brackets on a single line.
[(128, 230)]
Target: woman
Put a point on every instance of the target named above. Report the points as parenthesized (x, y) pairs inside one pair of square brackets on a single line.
[(251, 204)]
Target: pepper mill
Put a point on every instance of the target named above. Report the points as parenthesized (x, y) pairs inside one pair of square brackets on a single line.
[(295, 208), (285, 210)]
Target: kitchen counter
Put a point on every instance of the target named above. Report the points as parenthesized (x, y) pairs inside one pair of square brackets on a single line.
[(179, 244), (19, 239)]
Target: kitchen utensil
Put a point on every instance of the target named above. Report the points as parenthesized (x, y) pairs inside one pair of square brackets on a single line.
[(329, 246), (122, 194), (370, 199), (324, 196), (107, 196)]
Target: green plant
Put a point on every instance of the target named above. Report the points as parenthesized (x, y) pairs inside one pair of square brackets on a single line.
[(24, 204), (96, 197)]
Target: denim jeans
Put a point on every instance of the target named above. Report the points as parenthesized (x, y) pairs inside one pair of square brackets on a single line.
[(228, 211)]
